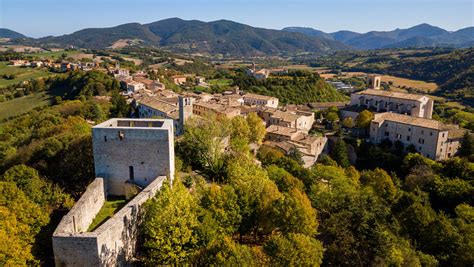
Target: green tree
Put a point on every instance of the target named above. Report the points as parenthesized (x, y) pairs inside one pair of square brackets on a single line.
[(119, 108), (340, 153), (363, 119), (332, 117), (467, 146), (257, 128), (240, 128), (294, 250), (169, 225), (348, 122), (221, 203), (203, 146), (225, 252), (294, 214), (283, 179), (381, 182)]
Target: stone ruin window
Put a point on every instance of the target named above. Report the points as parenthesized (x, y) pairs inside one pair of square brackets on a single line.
[(121, 135)]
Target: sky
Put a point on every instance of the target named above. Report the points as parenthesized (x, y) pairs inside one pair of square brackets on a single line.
[(39, 18)]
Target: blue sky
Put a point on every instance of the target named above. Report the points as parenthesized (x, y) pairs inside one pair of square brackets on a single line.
[(39, 18)]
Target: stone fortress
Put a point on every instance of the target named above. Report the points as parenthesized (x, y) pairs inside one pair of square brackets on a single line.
[(132, 158)]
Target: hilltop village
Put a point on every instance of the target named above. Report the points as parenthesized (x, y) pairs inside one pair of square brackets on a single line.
[(402, 117)]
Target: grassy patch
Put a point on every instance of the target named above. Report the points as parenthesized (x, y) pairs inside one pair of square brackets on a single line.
[(20, 73), (24, 104), (55, 54), (110, 207), (221, 82)]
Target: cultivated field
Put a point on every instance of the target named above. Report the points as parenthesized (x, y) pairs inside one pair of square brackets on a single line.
[(20, 73), (24, 104), (402, 82)]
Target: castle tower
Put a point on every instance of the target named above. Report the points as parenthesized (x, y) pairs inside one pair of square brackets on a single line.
[(132, 151), (373, 81)]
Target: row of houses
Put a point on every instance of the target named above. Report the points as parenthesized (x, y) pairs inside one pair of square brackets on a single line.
[(179, 107), (48, 63)]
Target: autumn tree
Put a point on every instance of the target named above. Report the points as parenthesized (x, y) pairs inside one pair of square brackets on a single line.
[(257, 128), (363, 119), (294, 250), (169, 225)]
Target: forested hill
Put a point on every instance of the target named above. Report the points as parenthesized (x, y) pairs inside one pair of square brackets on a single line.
[(216, 37), (7, 33)]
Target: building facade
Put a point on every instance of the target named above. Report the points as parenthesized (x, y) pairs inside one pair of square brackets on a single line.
[(260, 100), (388, 101), (430, 138)]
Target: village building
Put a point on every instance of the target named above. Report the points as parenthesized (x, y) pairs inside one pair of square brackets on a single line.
[(388, 101), (179, 79), (19, 62), (210, 109), (260, 100), (133, 87), (177, 109), (153, 85), (431, 138), (301, 120), (286, 139)]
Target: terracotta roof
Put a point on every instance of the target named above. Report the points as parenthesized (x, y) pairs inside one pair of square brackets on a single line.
[(280, 130), (158, 104), (456, 133), (392, 94), (411, 120), (285, 116), (217, 107), (259, 97)]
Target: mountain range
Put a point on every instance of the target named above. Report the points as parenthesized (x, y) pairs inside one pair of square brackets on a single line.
[(423, 35), (235, 39)]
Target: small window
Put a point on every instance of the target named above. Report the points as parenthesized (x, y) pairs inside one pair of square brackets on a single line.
[(387, 134), (131, 173), (121, 135), (409, 129), (408, 138), (431, 133), (105, 138), (422, 132)]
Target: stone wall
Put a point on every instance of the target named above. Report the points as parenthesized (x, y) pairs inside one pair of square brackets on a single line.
[(113, 243), (84, 211)]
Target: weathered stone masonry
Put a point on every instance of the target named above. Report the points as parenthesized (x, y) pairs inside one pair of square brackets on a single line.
[(128, 153), (113, 243)]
